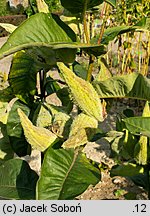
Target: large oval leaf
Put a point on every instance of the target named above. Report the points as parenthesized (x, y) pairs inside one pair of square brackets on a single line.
[(112, 2), (23, 70), (111, 33), (14, 127), (17, 180), (6, 151), (138, 125), (78, 6), (127, 169), (124, 86), (6, 94), (14, 130), (65, 174), (40, 28), (48, 39)]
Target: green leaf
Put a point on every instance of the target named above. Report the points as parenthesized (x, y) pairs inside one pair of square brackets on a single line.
[(63, 95), (14, 127), (38, 137), (15, 131), (78, 6), (112, 2), (96, 50), (42, 117), (65, 174), (111, 33), (6, 151), (42, 6), (115, 139), (61, 124), (79, 70), (127, 170), (51, 86), (104, 72), (142, 22), (38, 35), (40, 30), (138, 125), (129, 144), (140, 151), (124, 86), (83, 93), (22, 76), (6, 94), (17, 180), (20, 146)]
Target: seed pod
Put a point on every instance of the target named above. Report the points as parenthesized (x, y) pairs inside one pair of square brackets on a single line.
[(83, 93), (82, 128), (39, 138)]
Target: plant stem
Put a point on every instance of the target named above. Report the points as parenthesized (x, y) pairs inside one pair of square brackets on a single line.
[(90, 69), (85, 23), (104, 12), (42, 75), (139, 52)]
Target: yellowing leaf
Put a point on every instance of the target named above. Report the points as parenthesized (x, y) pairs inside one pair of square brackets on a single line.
[(38, 137), (42, 6), (82, 121), (8, 27), (140, 151), (146, 110), (61, 124), (82, 128), (104, 72), (83, 93)]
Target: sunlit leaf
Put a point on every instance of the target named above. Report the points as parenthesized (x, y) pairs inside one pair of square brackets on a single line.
[(38, 137), (81, 130), (138, 125), (83, 93), (65, 174), (8, 27), (124, 86)]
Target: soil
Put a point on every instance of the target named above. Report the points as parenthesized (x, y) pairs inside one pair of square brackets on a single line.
[(14, 19)]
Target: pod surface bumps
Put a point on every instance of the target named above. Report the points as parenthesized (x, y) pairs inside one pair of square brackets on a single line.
[(83, 93), (39, 138)]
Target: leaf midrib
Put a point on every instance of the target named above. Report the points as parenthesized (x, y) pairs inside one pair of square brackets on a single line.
[(69, 170)]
